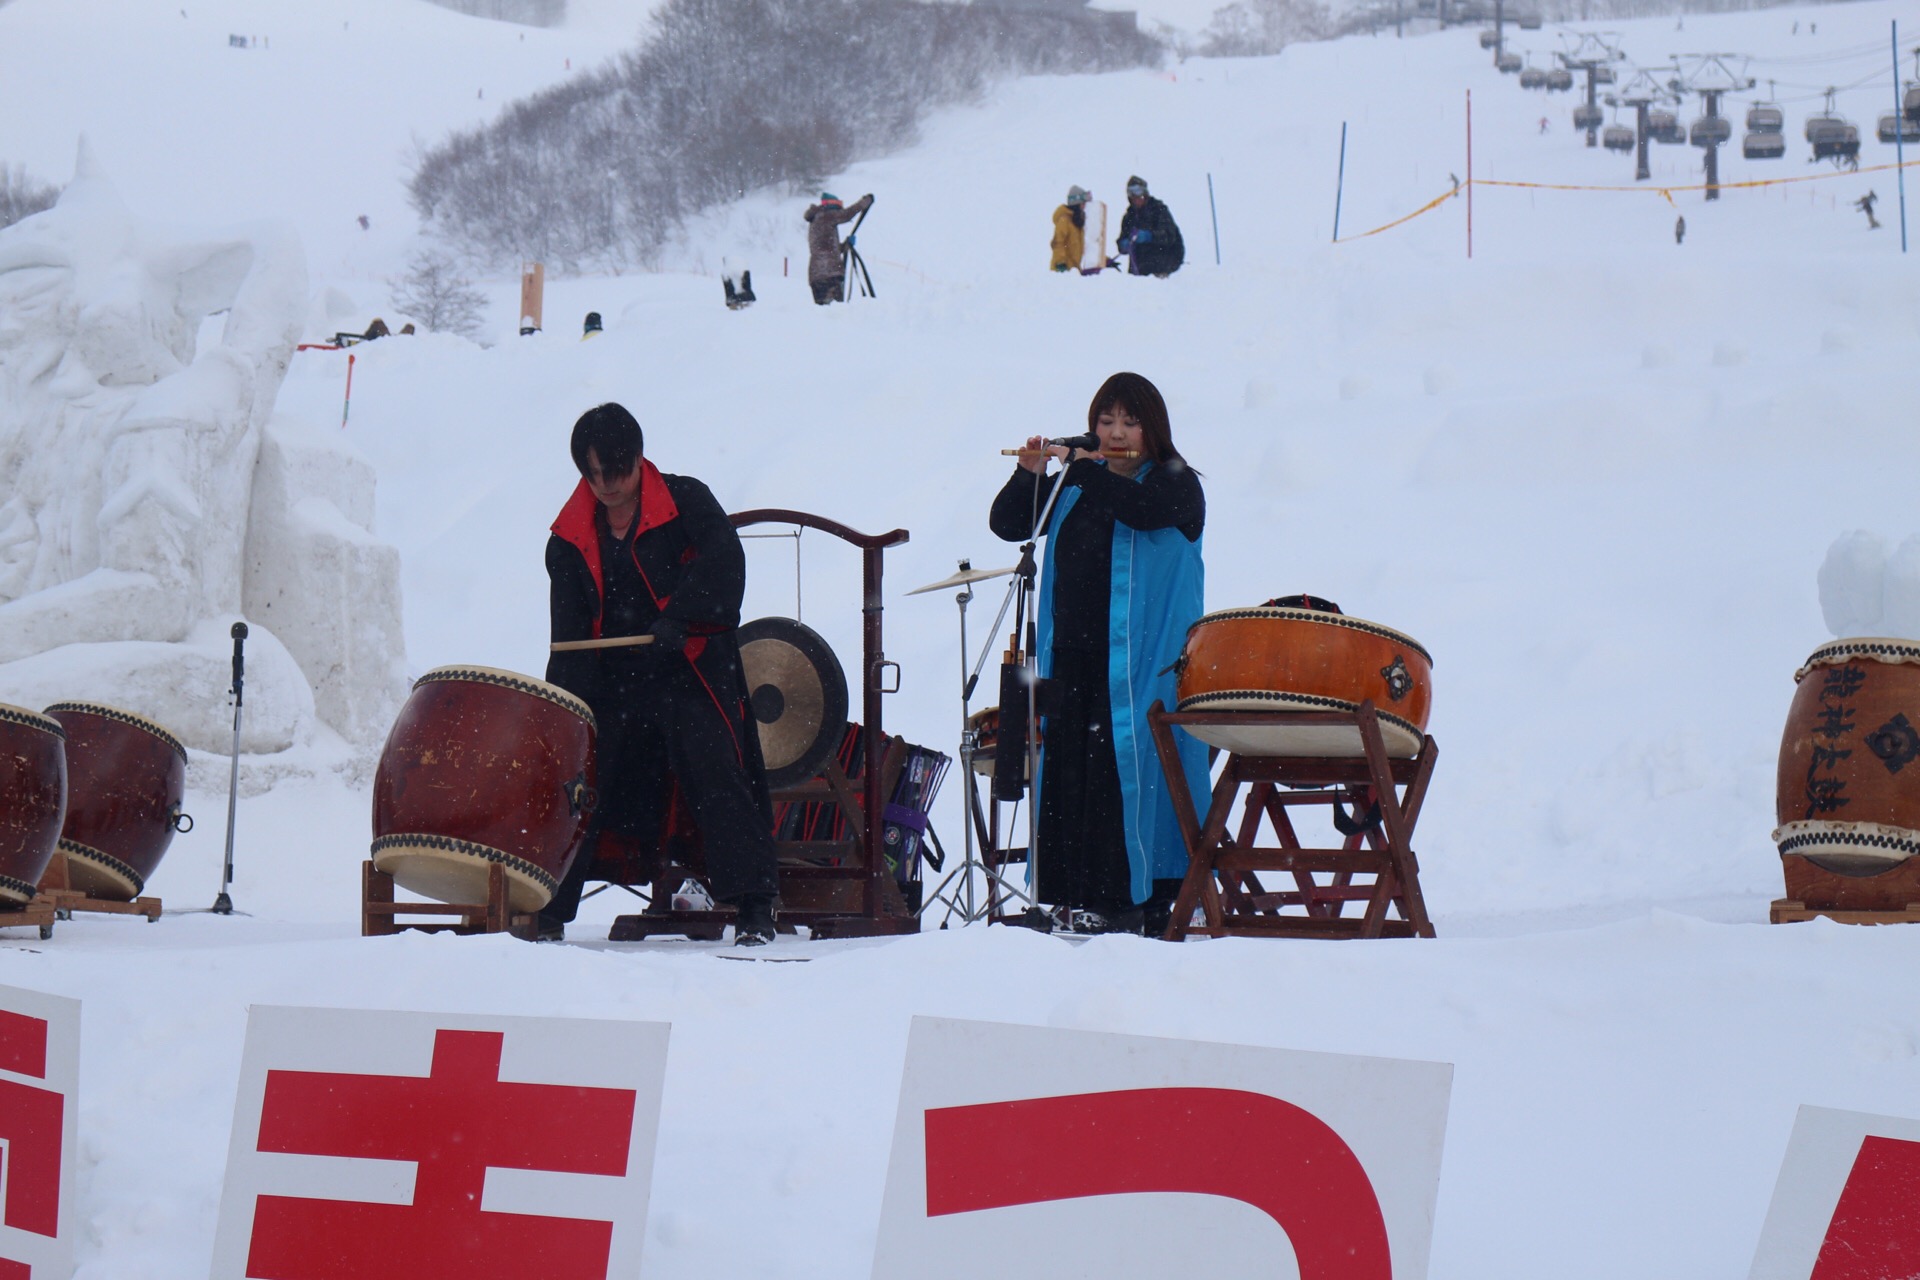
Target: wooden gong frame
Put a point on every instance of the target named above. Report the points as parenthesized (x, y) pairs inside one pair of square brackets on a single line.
[(848, 901)]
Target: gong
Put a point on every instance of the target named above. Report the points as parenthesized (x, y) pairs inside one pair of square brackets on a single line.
[(798, 695)]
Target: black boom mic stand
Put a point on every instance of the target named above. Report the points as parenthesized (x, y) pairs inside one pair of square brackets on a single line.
[(850, 259), (223, 905)]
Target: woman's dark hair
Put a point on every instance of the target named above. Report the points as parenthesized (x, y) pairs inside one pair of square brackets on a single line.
[(1142, 402), (612, 434)]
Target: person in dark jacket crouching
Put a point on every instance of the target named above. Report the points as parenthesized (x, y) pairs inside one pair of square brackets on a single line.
[(1148, 235), (638, 553)]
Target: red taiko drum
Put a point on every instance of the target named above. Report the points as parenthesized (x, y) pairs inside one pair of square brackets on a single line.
[(33, 799), (1847, 795), (126, 781), (483, 767), (1279, 659)]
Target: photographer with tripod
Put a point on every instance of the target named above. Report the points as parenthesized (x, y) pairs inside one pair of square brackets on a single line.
[(827, 258)]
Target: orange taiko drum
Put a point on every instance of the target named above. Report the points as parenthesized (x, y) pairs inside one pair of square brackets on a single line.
[(33, 799), (1279, 659), (483, 767), (1848, 791), (126, 782)]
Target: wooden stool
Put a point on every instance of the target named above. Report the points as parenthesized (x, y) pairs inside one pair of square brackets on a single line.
[(1222, 878), (379, 912), (1892, 897), (57, 889)]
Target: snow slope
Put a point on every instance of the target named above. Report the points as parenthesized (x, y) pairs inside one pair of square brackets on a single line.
[(1594, 472)]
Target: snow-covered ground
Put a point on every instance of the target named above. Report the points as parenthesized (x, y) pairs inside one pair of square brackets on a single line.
[(1594, 472)]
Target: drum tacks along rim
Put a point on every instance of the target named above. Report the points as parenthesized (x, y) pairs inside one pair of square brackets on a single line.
[(1861, 843), (133, 718), (1874, 648), (98, 865), (439, 867), (1401, 737), (12, 888), (513, 680)]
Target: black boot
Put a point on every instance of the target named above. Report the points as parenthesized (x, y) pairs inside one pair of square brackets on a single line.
[(746, 288), (753, 926)]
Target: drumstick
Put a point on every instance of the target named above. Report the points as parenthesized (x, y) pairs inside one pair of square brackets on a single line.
[(1043, 453), (605, 642)]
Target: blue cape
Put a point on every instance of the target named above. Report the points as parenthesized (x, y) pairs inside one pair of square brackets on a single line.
[(1158, 585)]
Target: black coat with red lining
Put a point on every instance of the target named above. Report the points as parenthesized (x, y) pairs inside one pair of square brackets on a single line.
[(694, 568)]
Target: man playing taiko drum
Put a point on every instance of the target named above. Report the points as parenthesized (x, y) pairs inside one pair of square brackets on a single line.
[(635, 552)]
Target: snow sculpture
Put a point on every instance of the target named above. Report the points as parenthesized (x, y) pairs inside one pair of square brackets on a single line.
[(148, 496), (1870, 589)]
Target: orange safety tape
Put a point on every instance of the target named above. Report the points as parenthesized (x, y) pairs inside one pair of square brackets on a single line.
[(1666, 192)]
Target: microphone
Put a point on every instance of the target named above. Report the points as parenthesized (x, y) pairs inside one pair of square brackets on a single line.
[(1089, 441)]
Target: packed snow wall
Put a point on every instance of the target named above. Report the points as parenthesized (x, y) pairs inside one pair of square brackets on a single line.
[(149, 497)]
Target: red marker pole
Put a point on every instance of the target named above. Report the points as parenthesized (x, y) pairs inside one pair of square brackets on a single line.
[(347, 404)]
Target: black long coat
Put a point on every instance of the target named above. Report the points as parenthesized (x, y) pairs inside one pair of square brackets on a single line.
[(693, 570), (1163, 253)]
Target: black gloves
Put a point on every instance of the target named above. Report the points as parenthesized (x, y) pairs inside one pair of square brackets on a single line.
[(669, 637)]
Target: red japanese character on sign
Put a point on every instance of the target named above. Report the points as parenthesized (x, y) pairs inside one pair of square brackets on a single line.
[(1223, 1142), (1875, 1230), (454, 1124), (32, 1124)]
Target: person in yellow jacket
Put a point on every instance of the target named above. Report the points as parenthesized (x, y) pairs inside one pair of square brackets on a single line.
[(1069, 230)]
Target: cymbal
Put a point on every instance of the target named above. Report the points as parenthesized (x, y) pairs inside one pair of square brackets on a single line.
[(961, 579)]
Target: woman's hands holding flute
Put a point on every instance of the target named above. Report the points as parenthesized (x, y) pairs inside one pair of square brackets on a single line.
[(1033, 457)]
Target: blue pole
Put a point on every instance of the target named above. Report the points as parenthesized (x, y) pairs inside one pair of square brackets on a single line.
[(1340, 183), (1215, 210), (1899, 138)]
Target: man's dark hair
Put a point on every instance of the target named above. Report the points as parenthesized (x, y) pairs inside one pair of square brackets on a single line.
[(613, 434)]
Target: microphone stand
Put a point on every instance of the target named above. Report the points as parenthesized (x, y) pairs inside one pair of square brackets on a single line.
[(1024, 574), (223, 905)]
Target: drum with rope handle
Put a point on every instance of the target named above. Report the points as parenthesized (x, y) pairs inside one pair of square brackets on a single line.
[(483, 767), (1847, 795), (33, 799), (797, 694), (126, 785), (1304, 659)]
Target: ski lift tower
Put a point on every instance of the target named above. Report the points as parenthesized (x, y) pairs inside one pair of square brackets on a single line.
[(1708, 75), (1591, 52), (1640, 93)]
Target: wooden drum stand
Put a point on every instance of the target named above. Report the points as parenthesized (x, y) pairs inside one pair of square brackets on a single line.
[(1383, 794)]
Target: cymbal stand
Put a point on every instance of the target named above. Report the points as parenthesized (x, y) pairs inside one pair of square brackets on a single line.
[(962, 897)]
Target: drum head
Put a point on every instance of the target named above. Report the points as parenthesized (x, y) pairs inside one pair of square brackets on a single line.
[(798, 695)]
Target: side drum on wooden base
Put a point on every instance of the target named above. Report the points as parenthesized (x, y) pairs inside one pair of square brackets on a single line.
[(1280, 659), (482, 767), (1847, 796), (33, 799), (126, 782)]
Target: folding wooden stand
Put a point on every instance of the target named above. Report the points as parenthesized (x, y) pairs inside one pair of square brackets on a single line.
[(1892, 897), (853, 895), (379, 912), (1222, 870), (56, 887), (39, 913)]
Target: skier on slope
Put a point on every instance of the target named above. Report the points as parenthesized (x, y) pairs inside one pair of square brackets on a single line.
[(1148, 235)]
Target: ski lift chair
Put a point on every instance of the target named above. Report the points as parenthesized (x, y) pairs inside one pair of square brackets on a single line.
[(1764, 146), (1529, 21), (1489, 38), (1617, 137), (1588, 117), (1895, 127), (1834, 139), (1664, 126), (1533, 78), (1765, 118), (1507, 63), (1559, 80), (1711, 131), (1604, 75)]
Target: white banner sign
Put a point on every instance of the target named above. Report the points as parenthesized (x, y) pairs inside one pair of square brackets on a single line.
[(1847, 1205), (1032, 1152), (39, 1087), (419, 1146)]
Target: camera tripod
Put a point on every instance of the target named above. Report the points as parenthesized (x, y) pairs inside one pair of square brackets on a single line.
[(850, 260)]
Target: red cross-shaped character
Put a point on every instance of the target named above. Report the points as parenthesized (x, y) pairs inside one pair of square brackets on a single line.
[(455, 1123)]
